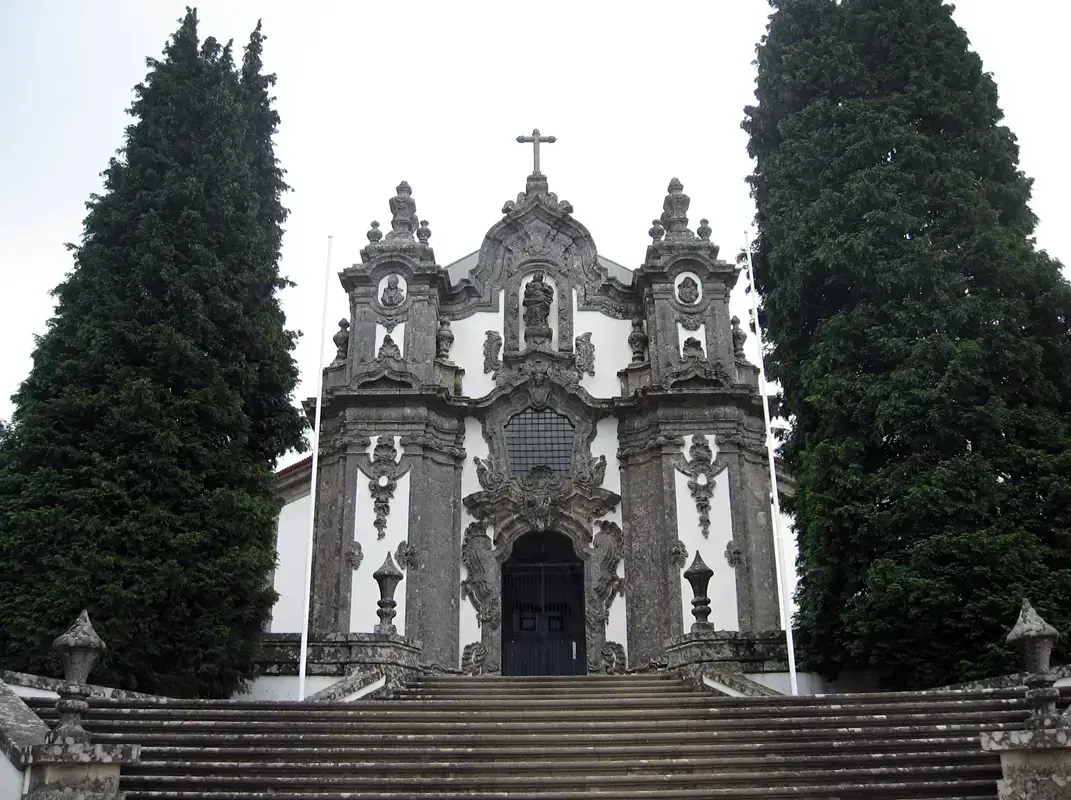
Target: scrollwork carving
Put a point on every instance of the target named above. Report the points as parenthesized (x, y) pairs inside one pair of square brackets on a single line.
[(585, 355), (473, 658), (701, 479), (405, 555), (492, 346), (481, 586), (605, 583), (613, 659), (654, 443), (593, 473), (384, 471)]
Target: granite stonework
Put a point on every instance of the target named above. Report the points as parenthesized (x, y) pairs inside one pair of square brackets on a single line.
[(1035, 760), (537, 269)]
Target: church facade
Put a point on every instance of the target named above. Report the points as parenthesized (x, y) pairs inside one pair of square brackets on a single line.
[(541, 440)]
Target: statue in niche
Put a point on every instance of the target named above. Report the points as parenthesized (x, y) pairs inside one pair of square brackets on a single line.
[(538, 298), (393, 293), (444, 340), (403, 209), (739, 337), (688, 291)]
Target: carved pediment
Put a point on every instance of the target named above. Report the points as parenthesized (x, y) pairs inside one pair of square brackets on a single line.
[(697, 373), (387, 375)]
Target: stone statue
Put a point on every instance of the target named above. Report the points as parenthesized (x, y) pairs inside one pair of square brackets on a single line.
[(688, 291), (675, 213), (444, 340), (342, 341), (538, 298), (403, 207), (637, 340), (393, 294), (739, 337)]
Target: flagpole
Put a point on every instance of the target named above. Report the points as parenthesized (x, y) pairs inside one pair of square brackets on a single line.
[(304, 658), (779, 554)]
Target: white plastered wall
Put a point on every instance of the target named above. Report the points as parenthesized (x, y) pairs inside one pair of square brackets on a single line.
[(364, 595), (475, 445), (291, 544), (724, 614), (469, 337), (284, 687), (612, 353)]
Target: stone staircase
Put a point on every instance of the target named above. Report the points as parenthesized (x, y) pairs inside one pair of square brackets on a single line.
[(625, 738)]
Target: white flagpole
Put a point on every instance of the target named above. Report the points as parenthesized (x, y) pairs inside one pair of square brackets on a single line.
[(780, 562), (303, 661)]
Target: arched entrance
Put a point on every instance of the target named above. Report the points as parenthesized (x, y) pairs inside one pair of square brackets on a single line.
[(543, 608)]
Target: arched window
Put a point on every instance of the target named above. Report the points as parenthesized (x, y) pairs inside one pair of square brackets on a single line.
[(537, 439)]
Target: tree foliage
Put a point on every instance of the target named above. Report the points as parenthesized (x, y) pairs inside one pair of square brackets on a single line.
[(136, 478), (921, 342)]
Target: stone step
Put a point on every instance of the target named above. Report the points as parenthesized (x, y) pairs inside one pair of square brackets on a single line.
[(931, 790), (307, 778), (549, 738), (583, 764), (405, 751)]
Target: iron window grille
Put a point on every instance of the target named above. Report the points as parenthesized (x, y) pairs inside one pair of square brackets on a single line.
[(539, 438)]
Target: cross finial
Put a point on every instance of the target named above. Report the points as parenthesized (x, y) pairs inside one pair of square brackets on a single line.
[(534, 140)]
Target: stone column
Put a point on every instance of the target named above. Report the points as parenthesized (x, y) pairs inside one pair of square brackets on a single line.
[(433, 571), (68, 766), (1036, 760)]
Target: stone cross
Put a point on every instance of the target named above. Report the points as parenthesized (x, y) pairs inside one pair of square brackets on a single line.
[(534, 140)]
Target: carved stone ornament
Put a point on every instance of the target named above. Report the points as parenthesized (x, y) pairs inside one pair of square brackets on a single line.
[(342, 342), (388, 577), (704, 230), (492, 347), (692, 349), (657, 231), (389, 349), (613, 659), (478, 587), (444, 340), (701, 479), (739, 337), (603, 586), (354, 555), (678, 554), (654, 443), (472, 658), (384, 471), (675, 213), (538, 300), (585, 355), (696, 372), (393, 294), (637, 342), (733, 554), (78, 648), (699, 575), (406, 556), (403, 208), (688, 322), (688, 291), (374, 233), (423, 232)]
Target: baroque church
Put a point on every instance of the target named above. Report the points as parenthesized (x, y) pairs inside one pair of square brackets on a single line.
[(540, 441)]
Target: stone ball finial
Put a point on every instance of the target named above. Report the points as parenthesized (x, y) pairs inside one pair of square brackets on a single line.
[(374, 233), (79, 648), (657, 231), (1035, 639), (704, 230)]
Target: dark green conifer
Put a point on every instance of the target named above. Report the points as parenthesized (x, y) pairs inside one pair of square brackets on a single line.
[(136, 479), (921, 342)]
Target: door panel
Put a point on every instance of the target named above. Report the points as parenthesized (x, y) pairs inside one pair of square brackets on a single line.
[(543, 619)]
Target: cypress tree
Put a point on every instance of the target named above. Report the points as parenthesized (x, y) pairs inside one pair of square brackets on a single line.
[(921, 342), (136, 478)]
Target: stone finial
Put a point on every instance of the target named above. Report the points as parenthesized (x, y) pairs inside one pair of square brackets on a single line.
[(78, 648), (423, 232), (389, 349), (1035, 639), (699, 575), (342, 341), (675, 213), (739, 337), (637, 342), (657, 231), (403, 208), (374, 233), (388, 577), (444, 340), (704, 230)]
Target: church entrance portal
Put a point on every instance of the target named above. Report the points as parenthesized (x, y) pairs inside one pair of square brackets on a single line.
[(543, 608)]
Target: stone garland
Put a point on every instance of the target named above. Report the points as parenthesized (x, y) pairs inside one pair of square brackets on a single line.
[(384, 471), (701, 479)]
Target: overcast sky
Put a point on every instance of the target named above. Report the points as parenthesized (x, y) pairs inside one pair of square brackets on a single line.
[(435, 93)]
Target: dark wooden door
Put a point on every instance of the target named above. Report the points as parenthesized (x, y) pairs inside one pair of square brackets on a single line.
[(543, 619)]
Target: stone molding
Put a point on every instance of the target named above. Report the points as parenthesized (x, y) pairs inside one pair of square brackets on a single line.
[(336, 653)]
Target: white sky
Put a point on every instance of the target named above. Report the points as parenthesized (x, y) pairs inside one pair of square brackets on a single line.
[(435, 93)]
